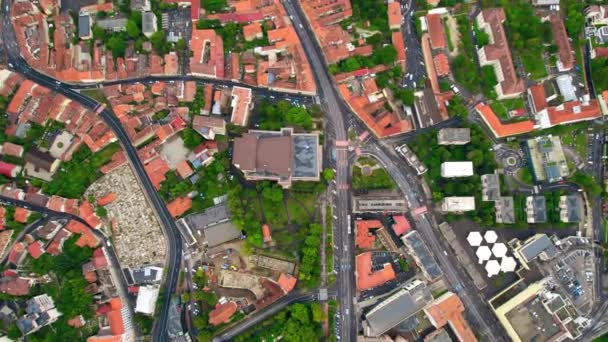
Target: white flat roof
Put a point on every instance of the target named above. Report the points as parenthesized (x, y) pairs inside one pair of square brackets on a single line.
[(457, 169), (146, 299), (458, 204)]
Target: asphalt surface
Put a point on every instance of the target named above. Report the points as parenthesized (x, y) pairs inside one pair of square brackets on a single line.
[(331, 102), (415, 71)]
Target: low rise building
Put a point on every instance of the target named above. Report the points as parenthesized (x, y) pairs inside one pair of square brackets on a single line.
[(536, 209), (368, 276), (146, 299), (40, 312), (570, 208), (454, 136), (547, 158), (457, 169), (422, 255), (412, 159), (448, 310), (538, 246), (457, 204), (490, 187), (396, 308), (208, 126), (149, 24), (379, 202), (504, 210)]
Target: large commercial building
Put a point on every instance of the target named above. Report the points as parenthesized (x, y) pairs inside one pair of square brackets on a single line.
[(282, 156), (538, 246), (422, 255), (534, 313)]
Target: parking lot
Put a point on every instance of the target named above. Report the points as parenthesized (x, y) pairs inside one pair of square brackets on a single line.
[(574, 274)]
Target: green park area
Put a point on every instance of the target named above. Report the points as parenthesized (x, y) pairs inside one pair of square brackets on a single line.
[(478, 150), (368, 174), (297, 322)]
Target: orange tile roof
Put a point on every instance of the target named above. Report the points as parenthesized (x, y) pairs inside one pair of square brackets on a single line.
[(436, 31), (287, 282), (399, 44), (366, 278), (499, 129), (179, 206), (364, 238), (107, 199), (210, 63), (448, 309), (241, 105), (156, 170), (401, 225), (252, 31), (222, 313), (183, 169), (394, 15), (21, 215), (87, 213), (36, 249), (442, 65), (574, 111), (266, 233), (158, 88), (10, 149), (538, 96)]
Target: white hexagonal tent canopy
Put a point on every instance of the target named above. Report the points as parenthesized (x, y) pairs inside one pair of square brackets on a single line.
[(483, 254), (475, 239), (508, 264), (492, 267), (490, 236), (499, 250)]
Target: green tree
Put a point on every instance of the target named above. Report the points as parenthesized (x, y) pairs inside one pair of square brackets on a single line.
[(318, 315), (328, 174), (117, 45), (133, 29), (299, 117)]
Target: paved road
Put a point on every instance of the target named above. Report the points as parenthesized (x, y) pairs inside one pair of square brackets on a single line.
[(333, 107)]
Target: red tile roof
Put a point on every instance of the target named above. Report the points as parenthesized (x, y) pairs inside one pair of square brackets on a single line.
[(179, 206), (156, 170), (499, 129), (107, 199), (287, 282), (563, 43), (9, 170), (252, 31), (222, 313), (394, 15), (11, 149), (436, 31), (448, 309), (87, 213), (364, 238), (208, 54), (17, 253), (442, 65), (21, 215), (574, 111), (266, 233), (399, 44), (183, 169), (15, 286), (366, 278), (538, 97), (36, 249), (401, 225), (499, 51)]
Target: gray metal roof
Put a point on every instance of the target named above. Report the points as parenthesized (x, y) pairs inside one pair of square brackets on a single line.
[(221, 233), (147, 22), (422, 254), (490, 184), (84, 26), (540, 209), (396, 308), (506, 209), (533, 249), (454, 135), (305, 155), (214, 215), (573, 205)]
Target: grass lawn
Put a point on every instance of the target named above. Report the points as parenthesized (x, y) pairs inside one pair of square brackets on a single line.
[(502, 108), (446, 28), (534, 64), (96, 94), (578, 141), (524, 175), (379, 179), (297, 212)]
